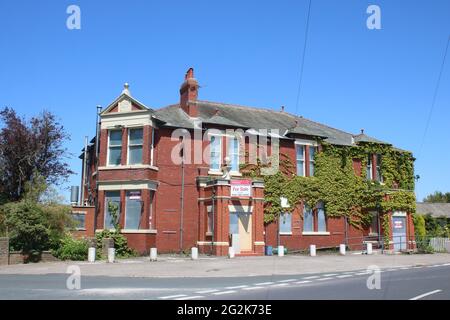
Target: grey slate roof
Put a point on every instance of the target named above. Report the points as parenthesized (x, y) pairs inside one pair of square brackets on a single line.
[(248, 117), (256, 118), (365, 138), (435, 209)]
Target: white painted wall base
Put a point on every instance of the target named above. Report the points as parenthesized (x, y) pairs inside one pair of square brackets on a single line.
[(91, 255), (312, 250), (153, 254), (194, 253), (111, 255)]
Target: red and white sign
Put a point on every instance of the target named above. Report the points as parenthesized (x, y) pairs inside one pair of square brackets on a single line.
[(241, 188), (398, 224), (135, 195)]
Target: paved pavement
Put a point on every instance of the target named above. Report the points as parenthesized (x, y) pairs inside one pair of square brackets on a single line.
[(177, 266), (401, 282)]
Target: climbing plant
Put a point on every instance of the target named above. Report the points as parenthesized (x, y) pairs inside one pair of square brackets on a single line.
[(344, 192)]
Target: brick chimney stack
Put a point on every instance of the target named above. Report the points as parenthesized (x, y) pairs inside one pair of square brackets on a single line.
[(189, 92)]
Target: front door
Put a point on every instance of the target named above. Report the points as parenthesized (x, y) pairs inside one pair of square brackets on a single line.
[(399, 233), (245, 231), (241, 231)]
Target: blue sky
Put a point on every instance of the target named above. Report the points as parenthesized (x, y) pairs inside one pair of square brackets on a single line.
[(245, 52)]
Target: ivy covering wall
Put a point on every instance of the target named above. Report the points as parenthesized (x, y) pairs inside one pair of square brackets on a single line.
[(344, 193)]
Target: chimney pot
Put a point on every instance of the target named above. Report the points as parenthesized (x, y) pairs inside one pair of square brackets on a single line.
[(282, 108), (362, 131), (189, 74), (188, 93)]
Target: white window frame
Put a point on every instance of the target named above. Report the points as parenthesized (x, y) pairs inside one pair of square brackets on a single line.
[(297, 159), (80, 213), (109, 146), (311, 160), (369, 157), (220, 137), (324, 216), (126, 211), (279, 221), (306, 144), (105, 209), (135, 145), (152, 147), (229, 154), (378, 168)]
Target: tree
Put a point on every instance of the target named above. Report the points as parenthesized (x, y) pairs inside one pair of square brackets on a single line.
[(28, 148), (438, 197), (419, 226)]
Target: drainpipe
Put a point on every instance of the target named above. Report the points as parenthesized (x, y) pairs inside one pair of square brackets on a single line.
[(182, 201), (97, 152), (278, 231), (346, 231), (213, 198), (83, 185)]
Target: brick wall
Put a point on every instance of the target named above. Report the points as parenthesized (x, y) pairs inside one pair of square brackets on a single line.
[(4, 251), (89, 221)]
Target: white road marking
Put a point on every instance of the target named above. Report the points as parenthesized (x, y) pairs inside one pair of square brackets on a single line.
[(174, 296), (189, 298), (253, 288), (287, 280), (302, 282), (349, 272), (263, 283), (237, 287), (361, 273), (404, 268), (330, 275), (280, 285), (207, 291), (323, 279), (391, 269), (425, 294), (311, 277), (344, 276), (224, 292), (446, 264)]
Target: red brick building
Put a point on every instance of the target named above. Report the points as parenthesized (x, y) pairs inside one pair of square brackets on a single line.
[(175, 193)]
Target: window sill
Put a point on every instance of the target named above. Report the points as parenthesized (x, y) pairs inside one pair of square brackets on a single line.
[(208, 234), (215, 172), (235, 174), (373, 234), (131, 231), (322, 233), (129, 166), (101, 230), (285, 233)]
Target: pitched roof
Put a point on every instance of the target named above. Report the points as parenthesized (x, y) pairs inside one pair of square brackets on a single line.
[(255, 118), (435, 209), (362, 137)]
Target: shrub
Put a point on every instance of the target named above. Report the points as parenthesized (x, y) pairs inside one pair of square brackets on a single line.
[(71, 249), (120, 243), (27, 227), (419, 226), (58, 219), (33, 226)]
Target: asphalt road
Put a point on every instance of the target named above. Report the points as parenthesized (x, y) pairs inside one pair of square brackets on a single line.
[(402, 283)]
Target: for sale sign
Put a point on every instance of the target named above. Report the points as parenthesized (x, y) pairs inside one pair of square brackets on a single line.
[(398, 224), (241, 188), (135, 195)]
